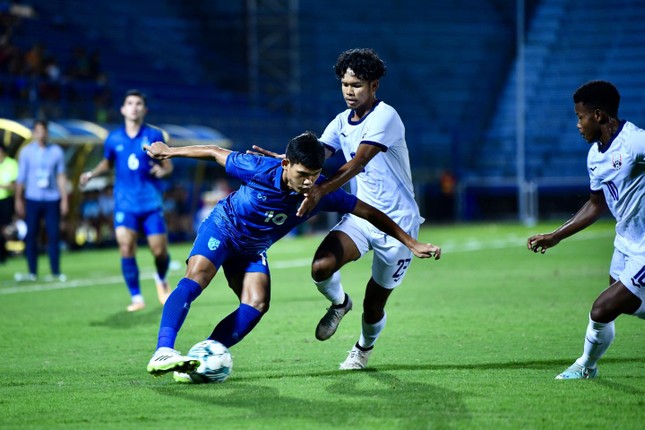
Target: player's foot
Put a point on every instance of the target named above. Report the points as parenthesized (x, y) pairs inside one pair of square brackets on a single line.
[(136, 306), (329, 322), (167, 360), (185, 378), (25, 277), (576, 371), (357, 359), (182, 378), (163, 289)]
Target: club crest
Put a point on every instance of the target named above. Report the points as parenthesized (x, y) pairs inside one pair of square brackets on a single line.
[(213, 243), (617, 161)]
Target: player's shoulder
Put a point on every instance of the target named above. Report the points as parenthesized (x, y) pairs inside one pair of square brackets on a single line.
[(115, 134), (383, 109), (157, 132)]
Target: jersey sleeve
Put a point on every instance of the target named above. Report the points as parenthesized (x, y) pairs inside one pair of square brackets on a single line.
[(157, 134), (108, 148), (330, 137), (338, 201), (595, 184), (638, 147), (60, 161), (385, 130), (244, 166)]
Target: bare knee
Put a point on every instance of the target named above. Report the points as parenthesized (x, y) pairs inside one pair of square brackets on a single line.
[(603, 312), (322, 268), (258, 304)]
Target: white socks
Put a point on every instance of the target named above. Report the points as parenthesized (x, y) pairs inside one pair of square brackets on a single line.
[(597, 339), (332, 289), (371, 332)]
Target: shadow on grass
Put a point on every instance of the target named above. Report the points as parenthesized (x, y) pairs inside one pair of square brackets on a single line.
[(352, 401), (554, 365), (359, 397), (125, 319)]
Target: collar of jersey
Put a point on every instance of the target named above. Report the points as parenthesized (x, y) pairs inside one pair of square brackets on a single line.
[(604, 149)]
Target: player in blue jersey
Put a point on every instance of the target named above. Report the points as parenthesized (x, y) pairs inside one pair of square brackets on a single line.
[(616, 165), (137, 195), (242, 227)]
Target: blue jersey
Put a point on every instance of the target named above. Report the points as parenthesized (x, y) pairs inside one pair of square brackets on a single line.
[(135, 189), (261, 212)]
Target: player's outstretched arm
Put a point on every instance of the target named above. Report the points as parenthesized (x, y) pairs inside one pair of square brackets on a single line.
[(161, 151), (586, 215), (384, 223)]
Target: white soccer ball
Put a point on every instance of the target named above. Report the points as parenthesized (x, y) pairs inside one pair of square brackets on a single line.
[(216, 363)]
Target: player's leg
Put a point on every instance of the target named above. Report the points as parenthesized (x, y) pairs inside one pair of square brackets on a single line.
[(33, 214), (199, 273), (621, 297), (345, 243), (126, 238), (250, 280), (389, 267), (154, 227), (52, 226)]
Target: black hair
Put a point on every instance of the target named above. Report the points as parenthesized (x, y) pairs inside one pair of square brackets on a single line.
[(601, 95), (364, 62), (42, 122), (307, 150), (135, 92)]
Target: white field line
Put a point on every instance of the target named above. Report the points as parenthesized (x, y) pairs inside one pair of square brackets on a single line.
[(448, 248)]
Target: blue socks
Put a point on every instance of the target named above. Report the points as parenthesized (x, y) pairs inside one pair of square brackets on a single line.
[(235, 326), (229, 331), (175, 311), (130, 272)]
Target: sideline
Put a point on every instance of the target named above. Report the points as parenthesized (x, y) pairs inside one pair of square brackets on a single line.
[(468, 246)]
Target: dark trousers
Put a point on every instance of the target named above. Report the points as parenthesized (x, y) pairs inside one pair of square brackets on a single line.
[(50, 212), (6, 216)]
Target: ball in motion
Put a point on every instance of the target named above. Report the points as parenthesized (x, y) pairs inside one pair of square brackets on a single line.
[(216, 363)]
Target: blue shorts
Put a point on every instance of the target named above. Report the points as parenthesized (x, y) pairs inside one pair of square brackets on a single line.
[(220, 251), (150, 223)]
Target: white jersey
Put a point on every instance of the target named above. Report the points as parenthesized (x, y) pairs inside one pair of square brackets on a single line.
[(386, 181), (619, 171)]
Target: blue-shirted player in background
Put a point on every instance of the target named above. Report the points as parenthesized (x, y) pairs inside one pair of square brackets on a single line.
[(137, 195), (240, 229)]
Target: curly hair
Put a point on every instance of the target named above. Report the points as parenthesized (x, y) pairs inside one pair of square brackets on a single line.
[(364, 62), (601, 95)]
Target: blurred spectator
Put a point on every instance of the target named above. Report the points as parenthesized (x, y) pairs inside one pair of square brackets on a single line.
[(34, 60), (41, 194), (221, 189), (8, 175), (8, 54), (79, 67), (94, 65), (102, 99)]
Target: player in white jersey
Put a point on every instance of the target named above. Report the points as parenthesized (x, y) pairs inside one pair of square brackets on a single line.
[(616, 164), (372, 137)]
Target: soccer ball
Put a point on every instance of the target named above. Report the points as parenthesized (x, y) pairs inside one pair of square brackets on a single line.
[(216, 363)]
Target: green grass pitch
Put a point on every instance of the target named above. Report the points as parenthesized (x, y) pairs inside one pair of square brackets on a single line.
[(473, 341)]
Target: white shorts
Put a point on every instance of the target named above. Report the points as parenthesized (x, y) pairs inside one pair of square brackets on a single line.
[(630, 270), (391, 257)]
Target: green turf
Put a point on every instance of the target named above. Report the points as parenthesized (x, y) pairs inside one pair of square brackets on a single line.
[(473, 341)]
